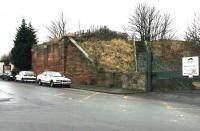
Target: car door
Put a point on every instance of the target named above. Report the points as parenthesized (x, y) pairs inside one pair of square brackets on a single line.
[(48, 77), (43, 77), (19, 76)]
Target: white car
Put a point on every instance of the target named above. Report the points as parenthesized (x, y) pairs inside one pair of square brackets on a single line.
[(53, 78), (26, 76)]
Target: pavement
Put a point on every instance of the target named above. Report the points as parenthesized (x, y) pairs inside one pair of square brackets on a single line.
[(110, 90), (114, 90), (187, 97)]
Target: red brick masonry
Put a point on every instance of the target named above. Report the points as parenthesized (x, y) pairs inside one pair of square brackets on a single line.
[(63, 56)]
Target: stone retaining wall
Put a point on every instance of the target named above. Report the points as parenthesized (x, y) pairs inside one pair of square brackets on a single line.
[(67, 57), (135, 81)]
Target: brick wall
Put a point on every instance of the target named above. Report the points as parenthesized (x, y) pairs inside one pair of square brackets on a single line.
[(79, 68), (67, 59)]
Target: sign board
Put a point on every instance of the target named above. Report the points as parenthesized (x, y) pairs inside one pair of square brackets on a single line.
[(6, 68), (190, 66)]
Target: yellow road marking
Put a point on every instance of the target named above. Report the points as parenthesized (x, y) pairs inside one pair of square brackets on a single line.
[(124, 110), (60, 94), (125, 100), (186, 108), (70, 98), (167, 106), (173, 120), (122, 105), (88, 97), (48, 94), (125, 97)]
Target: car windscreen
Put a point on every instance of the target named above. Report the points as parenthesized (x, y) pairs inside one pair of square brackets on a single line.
[(55, 74), (9, 73), (29, 73)]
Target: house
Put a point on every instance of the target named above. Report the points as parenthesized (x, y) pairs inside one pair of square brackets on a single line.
[(5, 67)]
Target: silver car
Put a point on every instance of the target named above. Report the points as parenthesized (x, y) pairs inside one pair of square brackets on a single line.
[(53, 78), (25, 76)]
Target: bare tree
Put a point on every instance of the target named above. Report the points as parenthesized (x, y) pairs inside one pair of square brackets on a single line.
[(193, 31), (5, 58), (149, 24), (57, 28)]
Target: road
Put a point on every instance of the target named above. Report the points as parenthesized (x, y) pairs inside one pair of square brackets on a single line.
[(40, 108)]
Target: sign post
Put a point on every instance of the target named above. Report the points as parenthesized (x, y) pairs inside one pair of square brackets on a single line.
[(190, 66)]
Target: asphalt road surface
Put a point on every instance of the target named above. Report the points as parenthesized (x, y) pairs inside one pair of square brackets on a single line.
[(30, 107)]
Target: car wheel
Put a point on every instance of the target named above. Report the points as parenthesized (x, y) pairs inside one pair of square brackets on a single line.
[(51, 84), (22, 80), (39, 82), (68, 86)]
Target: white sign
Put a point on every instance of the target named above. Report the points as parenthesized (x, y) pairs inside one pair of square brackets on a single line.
[(190, 66)]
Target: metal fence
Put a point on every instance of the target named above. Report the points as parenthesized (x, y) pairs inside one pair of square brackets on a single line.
[(166, 64)]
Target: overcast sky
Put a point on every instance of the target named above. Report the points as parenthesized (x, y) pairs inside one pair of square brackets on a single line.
[(113, 13)]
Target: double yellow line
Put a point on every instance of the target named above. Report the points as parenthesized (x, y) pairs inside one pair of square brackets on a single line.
[(88, 97)]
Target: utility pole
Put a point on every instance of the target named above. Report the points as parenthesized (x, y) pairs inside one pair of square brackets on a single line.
[(149, 67), (65, 52), (135, 53)]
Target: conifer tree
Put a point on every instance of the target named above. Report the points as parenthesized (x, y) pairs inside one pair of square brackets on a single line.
[(25, 38)]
